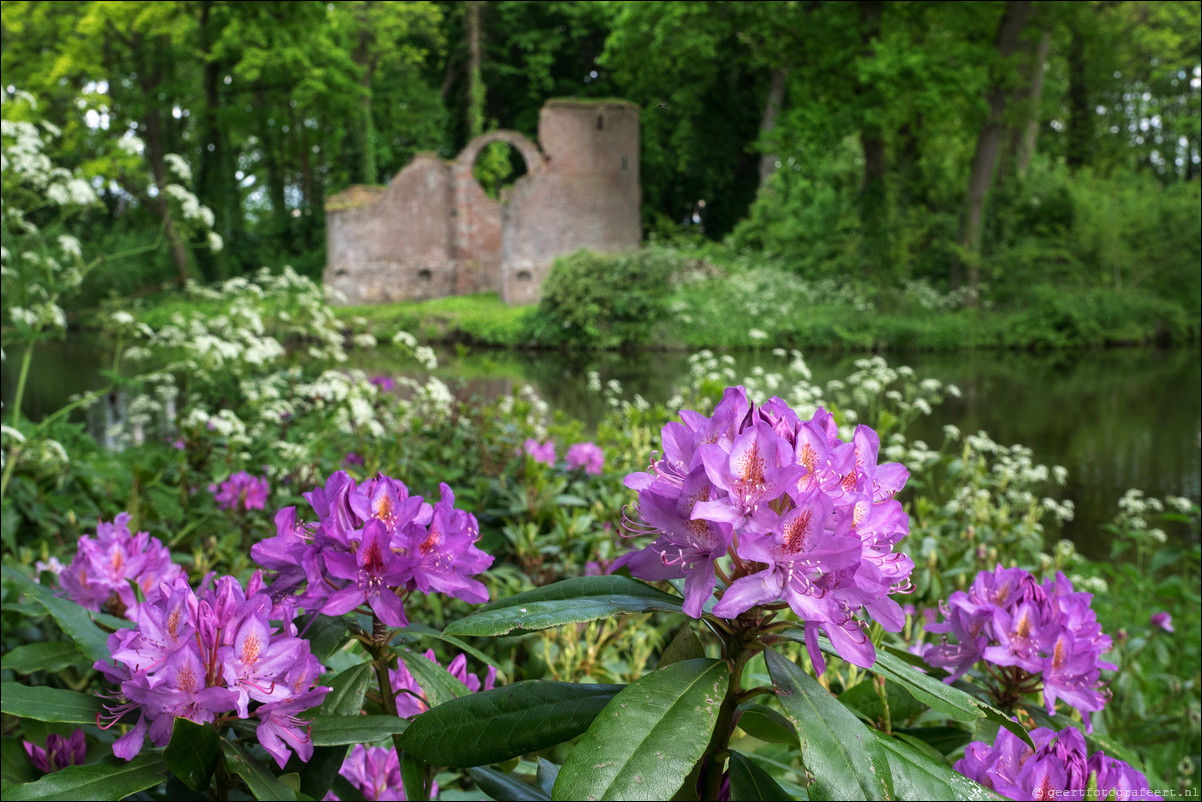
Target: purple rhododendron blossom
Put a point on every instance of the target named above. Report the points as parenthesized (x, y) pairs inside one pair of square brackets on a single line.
[(1048, 630), (540, 452), (215, 653), (59, 753), (375, 771), (1057, 768), (770, 508), (371, 545), (111, 571), (588, 456), (1162, 620), (243, 492)]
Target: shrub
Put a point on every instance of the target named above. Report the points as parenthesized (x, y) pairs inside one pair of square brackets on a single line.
[(603, 300)]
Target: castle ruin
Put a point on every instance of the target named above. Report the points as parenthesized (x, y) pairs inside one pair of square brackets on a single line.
[(433, 231)]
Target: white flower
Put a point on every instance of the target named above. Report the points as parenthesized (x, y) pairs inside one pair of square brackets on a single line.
[(177, 165)]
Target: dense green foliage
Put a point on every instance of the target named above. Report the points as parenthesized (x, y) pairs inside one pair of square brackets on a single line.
[(837, 140)]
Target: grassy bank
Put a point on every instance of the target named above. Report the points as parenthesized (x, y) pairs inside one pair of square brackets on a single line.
[(765, 306)]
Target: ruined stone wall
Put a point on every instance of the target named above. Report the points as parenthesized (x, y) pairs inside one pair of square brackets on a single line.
[(435, 232)]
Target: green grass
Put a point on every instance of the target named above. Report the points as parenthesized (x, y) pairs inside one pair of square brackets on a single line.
[(481, 319)]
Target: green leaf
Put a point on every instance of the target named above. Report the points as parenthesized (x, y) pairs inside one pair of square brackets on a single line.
[(52, 656), (192, 753), (649, 737), (111, 778), (15, 767), (326, 635), (505, 787), (685, 645), (319, 773), (571, 601), (943, 740), (461, 645), (259, 779), (413, 777), (341, 730), (761, 721), (749, 782), (506, 722), (841, 754), (547, 773), (347, 689), (75, 621), (918, 776), (438, 684), (49, 704)]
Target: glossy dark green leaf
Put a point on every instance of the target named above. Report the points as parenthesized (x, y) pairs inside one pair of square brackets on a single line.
[(258, 778), (328, 730), (761, 721), (839, 752), (51, 656), (571, 601), (748, 782), (15, 767), (506, 722), (547, 774), (943, 740), (192, 753), (320, 772), (505, 787), (49, 704), (917, 775), (75, 622), (649, 737), (111, 778), (347, 689)]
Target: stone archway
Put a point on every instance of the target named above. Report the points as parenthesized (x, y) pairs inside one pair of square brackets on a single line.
[(535, 162)]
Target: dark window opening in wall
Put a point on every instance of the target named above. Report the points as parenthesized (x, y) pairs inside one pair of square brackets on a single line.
[(600, 122), (424, 275), (498, 167), (524, 276), (623, 162)]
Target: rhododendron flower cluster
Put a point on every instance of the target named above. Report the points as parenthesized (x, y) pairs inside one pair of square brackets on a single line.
[(242, 492), (59, 753), (117, 570), (371, 546), (212, 656), (775, 510), (588, 456), (1027, 633), (540, 452), (1057, 768)]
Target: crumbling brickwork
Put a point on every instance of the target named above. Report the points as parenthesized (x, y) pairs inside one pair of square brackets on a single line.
[(434, 232)]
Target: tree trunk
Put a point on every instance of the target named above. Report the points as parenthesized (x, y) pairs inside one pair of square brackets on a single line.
[(1080, 116), (475, 85), (215, 176), (874, 200), (1022, 135), (988, 143), (150, 77), (772, 106), (368, 171)]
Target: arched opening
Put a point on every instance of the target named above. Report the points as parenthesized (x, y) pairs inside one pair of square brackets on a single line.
[(498, 167)]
